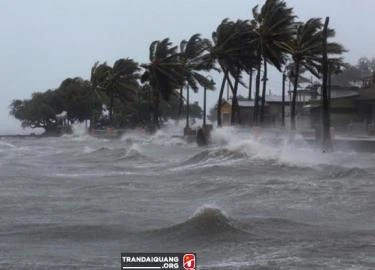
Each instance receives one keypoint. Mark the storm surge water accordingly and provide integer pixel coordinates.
(266, 202)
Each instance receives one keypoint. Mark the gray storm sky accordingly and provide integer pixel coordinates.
(42, 42)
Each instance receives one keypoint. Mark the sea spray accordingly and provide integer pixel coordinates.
(284, 148)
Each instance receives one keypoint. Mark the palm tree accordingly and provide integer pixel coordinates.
(233, 52)
(306, 51)
(222, 53)
(194, 56)
(290, 70)
(164, 73)
(244, 61)
(272, 26)
(117, 82)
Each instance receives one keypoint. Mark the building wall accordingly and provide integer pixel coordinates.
(226, 114)
(247, 115)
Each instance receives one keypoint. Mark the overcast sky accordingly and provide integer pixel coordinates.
(42, 42)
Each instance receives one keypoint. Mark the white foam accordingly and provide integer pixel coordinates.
(88, 150)
(285, 148)
(208, 208)
(8, 145)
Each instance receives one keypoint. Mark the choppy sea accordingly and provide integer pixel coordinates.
(77, 202)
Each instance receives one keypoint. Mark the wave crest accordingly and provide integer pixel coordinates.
(206, 221)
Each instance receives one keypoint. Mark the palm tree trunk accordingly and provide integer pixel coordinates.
(283, 102)
(327, 143)
(262, 109)
(181, 103)
(257, 90)
(293, 109)
(235, 109)
(237, 105)
(250, 82)
(156, 109)
(235, 100)
(220, 99)
(111, 109)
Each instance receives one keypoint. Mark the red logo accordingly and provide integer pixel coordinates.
(189, 261)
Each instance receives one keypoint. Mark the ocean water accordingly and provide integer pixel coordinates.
(271, 202)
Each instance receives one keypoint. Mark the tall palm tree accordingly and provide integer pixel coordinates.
(117, 82)
(233, 52)
(306, 51)
(244, 61)
(194, 56)
(164, 73)
(272, 25)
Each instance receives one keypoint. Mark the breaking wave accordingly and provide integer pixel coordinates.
(285, 149)
(133, 152)
(169, 135)
(207, 221)
(339, 173)
(221, 154)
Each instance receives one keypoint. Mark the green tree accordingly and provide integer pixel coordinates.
(272, 25)
(234, 53)
(164, 73)
(39, 111)
(195, 57)
(118, 82)
(79, 101)
(306, 50)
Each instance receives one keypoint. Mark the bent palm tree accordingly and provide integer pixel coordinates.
(272, 26)
(194, 56)
(306, 51)
(117, 82)
(164, 73)
(233, 51)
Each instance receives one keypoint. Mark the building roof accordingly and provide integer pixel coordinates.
(279, 99)
(339, 99)
(246, 103)
(269, 99)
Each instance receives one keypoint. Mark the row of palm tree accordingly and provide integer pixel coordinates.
(272, 37)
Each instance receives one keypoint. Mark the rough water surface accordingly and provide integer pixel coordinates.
(273, 202)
